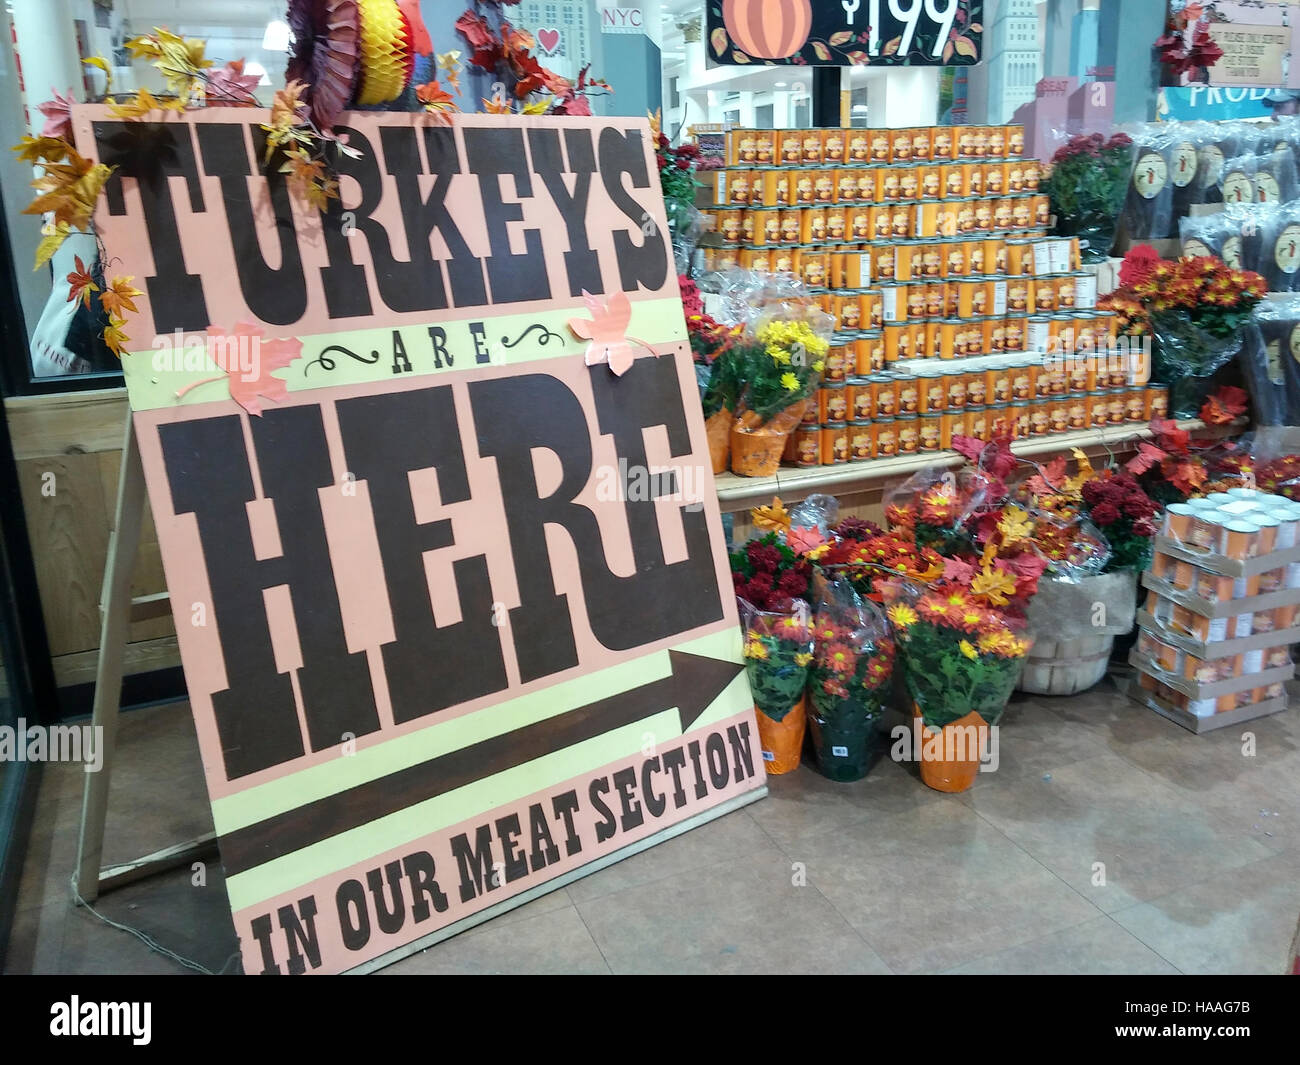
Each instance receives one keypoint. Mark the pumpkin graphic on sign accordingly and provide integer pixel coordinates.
(768, 29)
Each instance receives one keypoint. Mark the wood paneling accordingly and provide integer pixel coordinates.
(69, 452)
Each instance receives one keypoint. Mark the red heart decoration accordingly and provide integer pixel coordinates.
(549, 40)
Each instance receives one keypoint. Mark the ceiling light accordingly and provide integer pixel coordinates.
(782, 84)
(276, 38)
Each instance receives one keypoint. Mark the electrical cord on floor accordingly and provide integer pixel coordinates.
(148, 940)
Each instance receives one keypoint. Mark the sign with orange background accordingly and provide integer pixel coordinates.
(432, 490)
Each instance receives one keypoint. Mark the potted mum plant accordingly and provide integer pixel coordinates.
(772, 589)
(848, 682)
(1196, 310)
(714, 349)
(1086, 185)
(960, 661)
(781, 370)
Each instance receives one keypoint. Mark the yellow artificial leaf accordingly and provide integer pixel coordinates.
(42, 149)
(821, 51)
(143, 48)
(102, 64)
(966, 47)
(1015, 525)
(994, 585)
(738, 56)
(773, 518)
(51, 242)
(449, 64)
(891, 46)
(538, 107)
(114, 337)
(137, 106)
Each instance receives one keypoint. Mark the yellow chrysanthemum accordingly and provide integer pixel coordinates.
(969, 651)
(802, 659)
(755, 649)
(789, 382)
(902, 616)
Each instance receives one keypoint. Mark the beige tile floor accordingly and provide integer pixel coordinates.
(1200, 844)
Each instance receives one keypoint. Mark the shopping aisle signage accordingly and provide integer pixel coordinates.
(451, 593)
(847, 33)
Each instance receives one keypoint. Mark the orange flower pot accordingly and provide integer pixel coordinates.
(781, 741)
(718, 426)
(756, 446)
(952, 767)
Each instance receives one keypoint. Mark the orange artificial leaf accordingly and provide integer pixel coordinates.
(492, 107)
(1050, 478)
(80, 284)
(1169, 436)
(1187, 475)
(434, 98)
(821, 51)
(843, 37)
(718, 38)
(120, 296)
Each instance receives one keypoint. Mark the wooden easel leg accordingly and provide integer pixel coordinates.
(115, 611)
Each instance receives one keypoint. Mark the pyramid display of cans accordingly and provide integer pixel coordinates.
(1223, 594)
(928, 247)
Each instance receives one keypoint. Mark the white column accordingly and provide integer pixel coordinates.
(47, 50)
(903, 96)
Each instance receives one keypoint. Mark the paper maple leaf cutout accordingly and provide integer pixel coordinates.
(607, 331)
(252, 381)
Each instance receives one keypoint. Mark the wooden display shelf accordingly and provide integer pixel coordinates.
(793, 483)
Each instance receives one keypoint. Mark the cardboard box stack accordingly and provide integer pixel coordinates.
(928, 247)
(1222, 609)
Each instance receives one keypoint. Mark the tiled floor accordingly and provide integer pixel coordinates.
(1108, 841)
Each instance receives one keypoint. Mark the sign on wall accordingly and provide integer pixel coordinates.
(848, 33)
(451, 593)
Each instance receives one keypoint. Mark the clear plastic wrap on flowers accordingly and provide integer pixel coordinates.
(1231, 234)
(936, 504)
(778, 651)
(1073, 548)
(685, 224)
(818, 512)
(849, 681)
(1186, 358)
(960, 660)
(1086, 187)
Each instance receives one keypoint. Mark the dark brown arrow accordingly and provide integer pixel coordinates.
(691, 686)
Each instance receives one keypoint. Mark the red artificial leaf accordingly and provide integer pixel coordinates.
(80, 284)
(954, 569)
(1169, 436)
(968, 446)
(1148, 455)
(486, 47)
(1050, 479)
(1225, 405)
